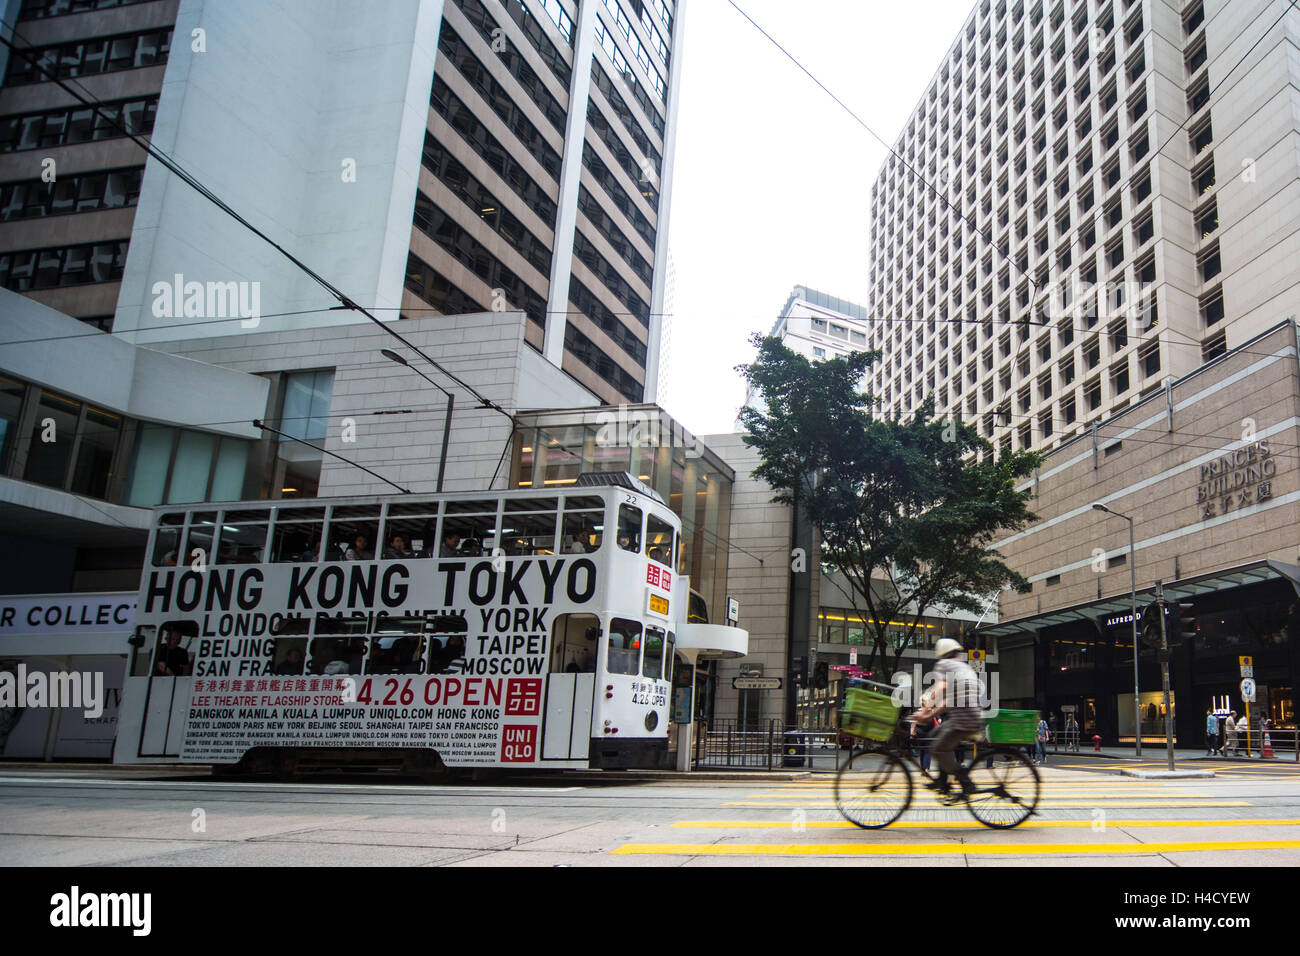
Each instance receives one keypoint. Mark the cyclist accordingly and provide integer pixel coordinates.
(957, 696)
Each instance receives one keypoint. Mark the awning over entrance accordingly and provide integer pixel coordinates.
(1121, 604)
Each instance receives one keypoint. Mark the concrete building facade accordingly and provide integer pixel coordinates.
(1071, 218)
(1206, 470)
(427, 158)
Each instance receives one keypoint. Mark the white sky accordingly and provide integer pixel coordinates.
(773, 178)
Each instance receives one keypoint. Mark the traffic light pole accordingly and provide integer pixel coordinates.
(1164, 674)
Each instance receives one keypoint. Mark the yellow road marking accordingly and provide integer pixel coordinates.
(1049, 804)
(940, 849)
(973, 824)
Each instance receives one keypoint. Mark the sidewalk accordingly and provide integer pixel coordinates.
(1154, 754)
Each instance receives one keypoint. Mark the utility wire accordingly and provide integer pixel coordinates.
(181, 173)
(258, 423)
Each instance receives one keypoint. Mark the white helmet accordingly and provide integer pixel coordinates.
(946, 646)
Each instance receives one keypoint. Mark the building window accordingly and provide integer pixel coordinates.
(1150, 360)
(70, 125)
(88, 57)
(87, 192)
(304, 414)
(180, 466)
(41, 9)
(72, 446)
(819, 353)
(1212, 307)
(34, 269)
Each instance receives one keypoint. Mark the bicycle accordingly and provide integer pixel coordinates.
(874, 786)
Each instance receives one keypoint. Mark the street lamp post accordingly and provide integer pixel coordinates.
(451, 405)
(1132, 577)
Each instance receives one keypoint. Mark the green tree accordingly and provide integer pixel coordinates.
(907, 508)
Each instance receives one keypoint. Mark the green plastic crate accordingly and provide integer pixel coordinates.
(868, 714)
(1012, 727)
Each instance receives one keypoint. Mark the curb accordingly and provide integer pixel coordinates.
(1166, 774)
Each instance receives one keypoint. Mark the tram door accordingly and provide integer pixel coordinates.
(167, 698)
(570, 687)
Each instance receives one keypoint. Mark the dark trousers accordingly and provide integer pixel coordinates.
(944, 746)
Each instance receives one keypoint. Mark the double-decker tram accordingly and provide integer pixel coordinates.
(517, 629)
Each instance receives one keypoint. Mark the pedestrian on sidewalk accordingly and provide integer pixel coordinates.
(1211, 733)
(1040, 738)
(1230, 734)
(1071, 734)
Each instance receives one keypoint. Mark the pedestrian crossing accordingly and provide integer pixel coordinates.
(1076, 817)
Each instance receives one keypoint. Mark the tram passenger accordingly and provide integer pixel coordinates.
(292, 663)
(173, 660)
(360, 550)
(450, 545)
(397, 548)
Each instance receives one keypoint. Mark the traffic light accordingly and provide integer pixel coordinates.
(822, 675)
(799, 671)
(1184, 625)
(1150, 625)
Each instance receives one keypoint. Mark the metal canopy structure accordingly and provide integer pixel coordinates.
(1253, 573)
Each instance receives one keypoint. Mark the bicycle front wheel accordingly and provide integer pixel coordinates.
(1006, 789)
(873, 789)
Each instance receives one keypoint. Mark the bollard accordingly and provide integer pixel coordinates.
(1096, 743)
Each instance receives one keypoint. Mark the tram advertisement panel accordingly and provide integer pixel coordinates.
(445, 655)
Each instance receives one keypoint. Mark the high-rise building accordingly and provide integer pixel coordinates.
(1092, 198)
(818, 326)
(69, 179)
(427, 158)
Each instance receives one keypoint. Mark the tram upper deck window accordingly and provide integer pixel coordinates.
(416, 524)
(659, 540)
(469, 529)
(199, 539)
(583, 525)
(354, 529)
(624, 646)
(653, 665)
(243, 537)
(297, 535)
(629, 528)
(167, 540)
(528, 526)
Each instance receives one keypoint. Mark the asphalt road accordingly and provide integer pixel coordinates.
(1089, 816)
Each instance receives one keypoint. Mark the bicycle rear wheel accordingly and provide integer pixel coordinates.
(1006, 793)
(873, 789)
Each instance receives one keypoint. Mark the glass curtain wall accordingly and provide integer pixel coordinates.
(551, 450)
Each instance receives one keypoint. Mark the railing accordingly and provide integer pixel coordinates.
(1281, 740)
(764, 745)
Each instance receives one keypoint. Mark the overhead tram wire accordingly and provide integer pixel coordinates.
(881, 140)
(258, 423)
(1292, 4)
(86, 99)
